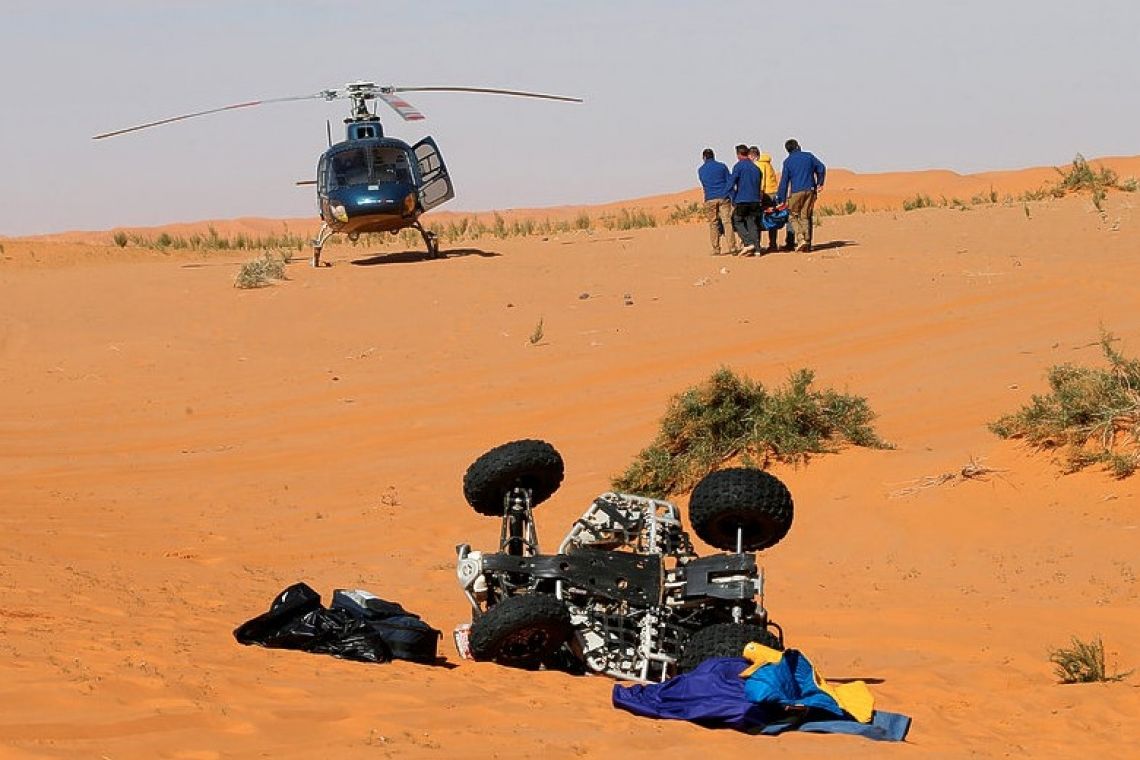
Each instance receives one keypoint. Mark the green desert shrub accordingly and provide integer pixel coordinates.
(684, 212)
(732, 416)
(1039, 194)
(1091, 415)
(120, 239)
(626, 219)
(1083, 662)
(1081, 176)
(984, 198)
(500, 227)
(918, 201)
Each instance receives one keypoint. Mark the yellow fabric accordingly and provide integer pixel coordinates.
(759, 655)
(854, 697)
(771, 182)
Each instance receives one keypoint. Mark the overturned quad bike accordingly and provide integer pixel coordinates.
(625, 594)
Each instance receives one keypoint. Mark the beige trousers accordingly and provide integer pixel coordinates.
(718, 212)
(800, 208)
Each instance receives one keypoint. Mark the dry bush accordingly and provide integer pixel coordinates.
(975, 469)
(1083, 663)
(538, 333)
(260, 272)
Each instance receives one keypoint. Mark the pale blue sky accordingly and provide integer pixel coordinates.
(877, 85)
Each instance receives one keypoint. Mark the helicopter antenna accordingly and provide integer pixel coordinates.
(328, 131)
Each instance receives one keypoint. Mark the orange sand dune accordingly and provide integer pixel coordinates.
(869, 192)
(173, 452)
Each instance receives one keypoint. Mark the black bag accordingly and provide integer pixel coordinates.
(408, 637)
(296, 620)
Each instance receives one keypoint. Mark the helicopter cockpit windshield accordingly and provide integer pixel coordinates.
(372, 165)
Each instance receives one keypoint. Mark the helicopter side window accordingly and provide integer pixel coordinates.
(403, 170)
(323, 175)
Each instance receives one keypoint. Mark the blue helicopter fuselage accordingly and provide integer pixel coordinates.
(373, 183)
(368, 185)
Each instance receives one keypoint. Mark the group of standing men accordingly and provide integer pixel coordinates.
(735, 201)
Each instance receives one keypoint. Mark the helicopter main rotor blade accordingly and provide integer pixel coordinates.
(325, 95)
(401, 106)
(490, 90)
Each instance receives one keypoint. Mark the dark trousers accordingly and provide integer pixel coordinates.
(746, 222)
(789, 239)
(789, 231)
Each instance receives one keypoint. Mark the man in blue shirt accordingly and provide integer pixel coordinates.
(800, 181)
(718, 208)
(744, 189)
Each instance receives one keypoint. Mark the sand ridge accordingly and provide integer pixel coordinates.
(882, 191)
(173, 452)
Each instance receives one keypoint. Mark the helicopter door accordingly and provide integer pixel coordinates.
(435, 184)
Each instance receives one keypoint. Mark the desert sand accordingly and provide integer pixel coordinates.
(174, 452)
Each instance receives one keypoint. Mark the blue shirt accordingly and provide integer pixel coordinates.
(714, 179)
(802, 171)
(744, 182)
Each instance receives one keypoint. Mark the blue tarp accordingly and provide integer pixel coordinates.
(773, 220)
(713, 694)
(790, 682)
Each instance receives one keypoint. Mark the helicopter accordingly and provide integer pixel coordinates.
(369, 182)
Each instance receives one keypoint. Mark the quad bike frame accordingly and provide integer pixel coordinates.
(625, 594)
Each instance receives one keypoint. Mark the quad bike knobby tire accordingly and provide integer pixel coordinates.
(519, 464)
(723, 640)
(741, 497)
(521, 631)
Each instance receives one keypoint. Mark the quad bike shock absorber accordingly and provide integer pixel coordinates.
(518, 536)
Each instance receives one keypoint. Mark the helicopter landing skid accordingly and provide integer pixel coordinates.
(430, 240)
(319, 242)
